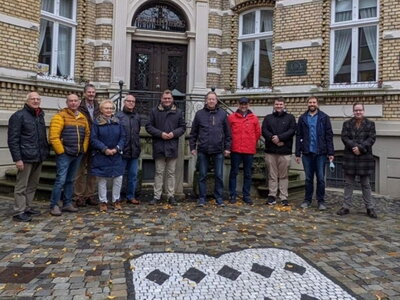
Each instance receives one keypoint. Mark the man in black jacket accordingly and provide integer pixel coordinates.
(28, 145)
(166, 125)
(130, 119)
(210, 138)
(278, 130)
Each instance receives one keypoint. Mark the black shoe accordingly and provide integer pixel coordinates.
(285, 203)
(248, 202)
(371, 213)
(232, 200)
(172, 201)
(271, 200)
(32, 212)
(153, 201)
(22, 218)
(343, 211)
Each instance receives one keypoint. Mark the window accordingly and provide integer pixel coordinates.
(354, 42)
(57, 38)
(255, 49)
(159, 16)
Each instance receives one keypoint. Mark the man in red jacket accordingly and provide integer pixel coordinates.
(246, 131)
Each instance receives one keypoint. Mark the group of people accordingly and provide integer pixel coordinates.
(93, 144)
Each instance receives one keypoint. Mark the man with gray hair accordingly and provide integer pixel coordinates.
(29, 147)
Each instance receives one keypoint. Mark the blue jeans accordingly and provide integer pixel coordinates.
(67, 166)
(236, 160)
(218, 173)
(132, 167)
(314, 164)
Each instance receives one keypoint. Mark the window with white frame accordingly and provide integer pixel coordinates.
(354, 41)
(57, 38)
(255, 49)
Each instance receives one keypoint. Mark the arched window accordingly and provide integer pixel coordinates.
(160, 16)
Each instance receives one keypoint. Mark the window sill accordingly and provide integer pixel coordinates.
(253, 90)
(358, 86)
(55, 79)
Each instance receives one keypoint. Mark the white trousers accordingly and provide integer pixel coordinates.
(116, 188)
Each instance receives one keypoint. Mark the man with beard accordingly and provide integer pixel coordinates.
(85, 184)
(358, 136)
(278, 130)
(166, 125)
(314, 144)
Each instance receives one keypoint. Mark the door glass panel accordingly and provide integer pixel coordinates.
(142, 71)
(175, 68)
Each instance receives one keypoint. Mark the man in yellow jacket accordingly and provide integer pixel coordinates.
(69, 136)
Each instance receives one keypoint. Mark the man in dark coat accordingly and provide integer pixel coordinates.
(278, 129)
(29, 147)
(166, 125)
(358, 136)
(210, 138)
(85, 184)
(314, 143)
(130, 119)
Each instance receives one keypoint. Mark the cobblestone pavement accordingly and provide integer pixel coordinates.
(93, 255)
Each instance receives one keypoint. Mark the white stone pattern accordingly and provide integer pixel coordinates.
(265, 273)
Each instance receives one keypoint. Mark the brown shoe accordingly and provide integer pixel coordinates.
(70, 208)
(80, 201)
(55, 211)
(92, 200)
(117, 206)
(134, 201)
(103, 207)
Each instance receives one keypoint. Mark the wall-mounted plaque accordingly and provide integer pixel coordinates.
(296, 67)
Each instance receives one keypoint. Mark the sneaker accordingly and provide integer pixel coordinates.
(133, 201)
(371, 213)
(55, 211)
(22, 217)
(153, 201)
(322, 206)
(232, 200)
(285, 203)
(117, 206)
(343, 211)
(220, 203)
(172, 201)
(200, 203)
(69, 208)
(248, 201)
(271, 200)
(305, 204)
(103, 207)
(32, 212)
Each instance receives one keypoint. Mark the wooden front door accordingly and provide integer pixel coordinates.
(156, 67)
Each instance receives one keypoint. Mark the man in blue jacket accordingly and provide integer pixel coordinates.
(166, 125)
(314, 144)
(210, 138)
(28, 145)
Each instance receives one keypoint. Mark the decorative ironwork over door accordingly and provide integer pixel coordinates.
(156, 67)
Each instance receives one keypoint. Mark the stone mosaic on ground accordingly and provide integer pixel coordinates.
(92, 255)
